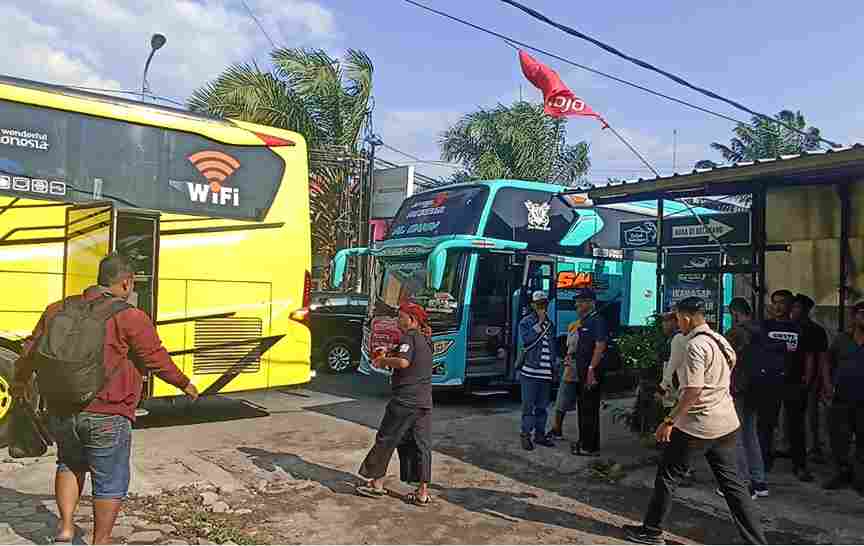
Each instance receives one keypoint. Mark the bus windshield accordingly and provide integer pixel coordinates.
(406, 280)
(432, 214)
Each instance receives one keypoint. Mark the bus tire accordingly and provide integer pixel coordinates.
(7, 367)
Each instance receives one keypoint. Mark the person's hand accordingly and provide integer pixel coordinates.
(663, 433)
(590, 379)
(191, 391)
(378, 363)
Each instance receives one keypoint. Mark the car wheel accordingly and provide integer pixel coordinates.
(338, 358)
(7, 359)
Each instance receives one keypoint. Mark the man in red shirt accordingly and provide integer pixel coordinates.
(98, 438)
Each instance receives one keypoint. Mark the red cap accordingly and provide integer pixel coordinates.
(415, 311)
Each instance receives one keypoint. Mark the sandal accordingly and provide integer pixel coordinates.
(370, 492)
(414, 498)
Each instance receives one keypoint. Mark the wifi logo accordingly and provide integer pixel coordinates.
(215, 166)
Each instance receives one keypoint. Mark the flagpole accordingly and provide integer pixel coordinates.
(629, 146)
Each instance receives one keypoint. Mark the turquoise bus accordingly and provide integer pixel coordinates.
(471, 254)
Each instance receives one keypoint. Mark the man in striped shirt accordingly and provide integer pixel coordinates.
(537, 334)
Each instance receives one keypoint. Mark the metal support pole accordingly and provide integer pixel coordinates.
(843, 288)
(760, 237)
(659, 303)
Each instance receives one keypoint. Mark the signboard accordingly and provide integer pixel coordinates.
(688, 282)
(635, 234)
(389, 188)
(687, 230)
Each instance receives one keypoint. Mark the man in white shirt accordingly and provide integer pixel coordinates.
(703, 421)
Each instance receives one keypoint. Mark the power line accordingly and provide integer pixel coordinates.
(257, 22)
(574, 63)
(426, 161)
(677, 79)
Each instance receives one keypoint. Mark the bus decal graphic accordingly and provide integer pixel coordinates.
(538, 216)
(216, 167)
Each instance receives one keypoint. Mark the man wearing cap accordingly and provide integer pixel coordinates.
(407, 422)
(704, 421)
(844, 387)
(593, 342)
(814, 341)
(537, 333)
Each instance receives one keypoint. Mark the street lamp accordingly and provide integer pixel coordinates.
(156, 42)
(373, 141)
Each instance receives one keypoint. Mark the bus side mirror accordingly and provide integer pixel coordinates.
(340, 262)
(436, 263)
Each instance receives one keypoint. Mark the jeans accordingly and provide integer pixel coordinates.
(95, 443)
(536, 395)
(589, 417)
(409, 430)
(794, 402)
(720, 454)
(749, 453)
(846, 419)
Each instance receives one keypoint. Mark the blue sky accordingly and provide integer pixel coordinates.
(429, 71)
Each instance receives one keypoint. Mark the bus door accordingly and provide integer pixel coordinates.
(490, 316)
(94, 230)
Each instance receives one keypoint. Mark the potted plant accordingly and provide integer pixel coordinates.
(643, 351)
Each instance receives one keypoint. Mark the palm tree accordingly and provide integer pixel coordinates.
(519, 142)
(765, 139)
(326, 100)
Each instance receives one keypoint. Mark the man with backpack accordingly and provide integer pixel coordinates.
(703, 422)
(90, 353)
(788, 387)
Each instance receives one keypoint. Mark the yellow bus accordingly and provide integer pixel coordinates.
(213, 213)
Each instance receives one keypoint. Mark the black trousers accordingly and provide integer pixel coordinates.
(844, 420)
(408, 430)
(589, 417)
(793, 399)
(721, 456)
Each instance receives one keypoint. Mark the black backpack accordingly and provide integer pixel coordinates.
(70, 365)
(767, 364)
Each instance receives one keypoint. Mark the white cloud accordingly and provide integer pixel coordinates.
(104, 43)
(415, 132)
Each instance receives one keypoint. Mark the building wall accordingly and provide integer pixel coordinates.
(808, 219)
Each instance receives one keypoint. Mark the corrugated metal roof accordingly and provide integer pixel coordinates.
(749, 163)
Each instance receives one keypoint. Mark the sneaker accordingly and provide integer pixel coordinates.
(544, 440)
(556, 434)
(753, 494)
(841, 480)
(640, 535)
(760, 490)
(527, 444)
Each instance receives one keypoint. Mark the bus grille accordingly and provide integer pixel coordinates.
(218, 331)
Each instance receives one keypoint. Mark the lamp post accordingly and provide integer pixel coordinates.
(373, 141)
(156, 43)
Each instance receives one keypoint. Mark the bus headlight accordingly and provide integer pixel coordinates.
(441, 347)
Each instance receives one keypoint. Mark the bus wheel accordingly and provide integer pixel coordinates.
(7, 360)
(338, 358)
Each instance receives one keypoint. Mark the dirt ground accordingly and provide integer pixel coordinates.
(279, 468)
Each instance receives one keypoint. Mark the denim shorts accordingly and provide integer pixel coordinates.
(98, 444)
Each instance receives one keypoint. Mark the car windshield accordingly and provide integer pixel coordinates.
(406, 280)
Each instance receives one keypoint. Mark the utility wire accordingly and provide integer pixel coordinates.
(257, 22)
(565, 60)
(677, 79)
(418, 160)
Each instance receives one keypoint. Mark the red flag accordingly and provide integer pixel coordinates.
(558, 100)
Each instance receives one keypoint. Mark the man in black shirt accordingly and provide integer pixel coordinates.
(407, 423)
(814, 339)
(593, 342)
(793, 391)
(844, 387)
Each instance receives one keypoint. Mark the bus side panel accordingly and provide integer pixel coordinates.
(251, 304)
(643, 287)
(172, 305)
(25, 298)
